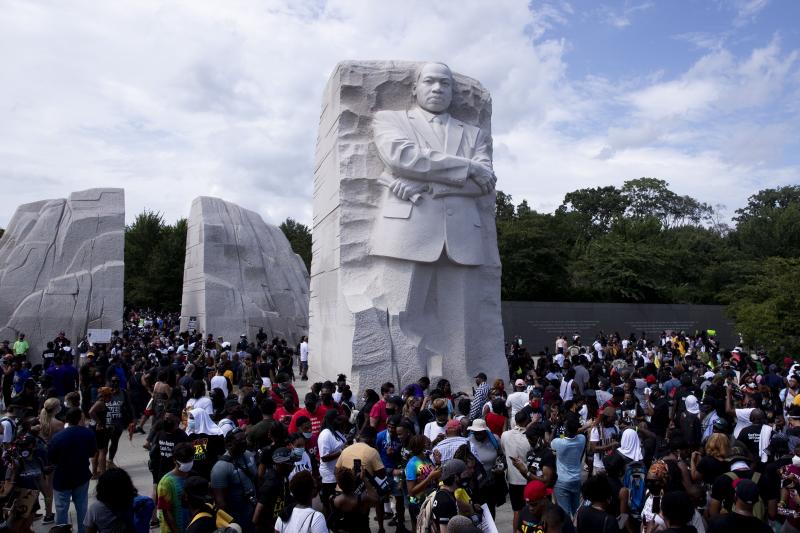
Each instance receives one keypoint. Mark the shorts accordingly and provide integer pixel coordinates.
(395, 486)
(101, 438)
(516, 495)
(327, 493)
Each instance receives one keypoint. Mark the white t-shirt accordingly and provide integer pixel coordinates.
(433, 430)
(203, 403)
(594, 436)
(328, 444)
(302, 464)
(303, 519)
(8, 431)
(742, 420)
(304, 351)
(565, 390)
(516, 401)
(219, 382)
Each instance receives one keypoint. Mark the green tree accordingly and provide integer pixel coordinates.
(154, 262)
(768, 225)
(594, 210)
(651, 197)
(299, 237)
(766, 309)
(504, 207)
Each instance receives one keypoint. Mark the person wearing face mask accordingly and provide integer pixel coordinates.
(435, 430)
(234, 478)
(297, 443)
(281, 387)
(207, 439)
(310, 410)
(164, 444)
(173, 516)
(656, 482)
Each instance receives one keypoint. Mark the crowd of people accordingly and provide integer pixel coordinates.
(619, 434)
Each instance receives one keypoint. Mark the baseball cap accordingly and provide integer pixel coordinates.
(519, 383)
(536, 490)
(691, 404)
(453, 424)
(453, 467)
(746, 490)
(283, 456)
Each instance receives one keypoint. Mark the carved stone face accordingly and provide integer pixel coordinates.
(434, 88)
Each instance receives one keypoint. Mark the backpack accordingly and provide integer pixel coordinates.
(759, 509)
(142, 513)
(222, 520)
(13, 426)
(634, 481)
(425, 523)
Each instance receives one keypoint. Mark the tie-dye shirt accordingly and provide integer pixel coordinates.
(418, 469)
(170, 490)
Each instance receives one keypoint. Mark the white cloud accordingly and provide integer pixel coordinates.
(622, 17)
(182, 99)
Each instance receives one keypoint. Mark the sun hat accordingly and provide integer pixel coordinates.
(479, 424)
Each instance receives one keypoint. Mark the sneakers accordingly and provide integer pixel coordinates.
(49, 519)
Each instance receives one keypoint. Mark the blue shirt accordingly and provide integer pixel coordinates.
(568, 458)
(384, 444)
(69, 450)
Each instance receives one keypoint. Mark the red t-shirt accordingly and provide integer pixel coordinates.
(315, 417)
(281, 413)
(379, 412)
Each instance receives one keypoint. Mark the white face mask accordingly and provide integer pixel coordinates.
(796, 460)
(185, 467)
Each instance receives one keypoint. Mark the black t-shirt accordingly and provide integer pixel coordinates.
(47, 358)
(274, 495)
(737, 523)
(750, 437)
(207, 449)
(527, 522)
(537, 459)
(591, 520)
(659, 421)
(722, 489)
(444, 506)
(161, 460)
(711, 468)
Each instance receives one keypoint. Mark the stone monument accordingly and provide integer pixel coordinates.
(62, 268)
(240, 275)
(405, 277)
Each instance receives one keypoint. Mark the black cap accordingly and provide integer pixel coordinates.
(747, 491)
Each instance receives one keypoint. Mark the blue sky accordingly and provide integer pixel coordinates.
(180, 99)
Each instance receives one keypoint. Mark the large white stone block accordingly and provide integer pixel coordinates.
(404, 285)
(62, 267)
(240, 275)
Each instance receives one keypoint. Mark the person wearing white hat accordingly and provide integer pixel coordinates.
(517, 399)
(484, 443)
(690, 421)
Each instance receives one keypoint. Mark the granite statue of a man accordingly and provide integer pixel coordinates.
(405, 276)
(439, 176)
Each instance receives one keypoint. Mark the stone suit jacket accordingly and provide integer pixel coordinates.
(447, 217)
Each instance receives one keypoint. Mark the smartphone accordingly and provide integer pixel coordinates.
(357, 467)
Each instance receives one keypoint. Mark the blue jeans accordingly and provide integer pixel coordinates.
(80, 496)
(568, 496)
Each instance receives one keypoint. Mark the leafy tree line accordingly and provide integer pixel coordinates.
(642, 242)
(154, 257)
